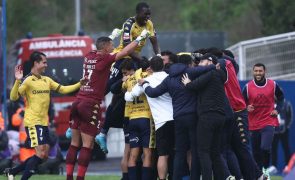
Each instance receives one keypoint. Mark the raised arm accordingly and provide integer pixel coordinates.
(18, 88)
(153, 38)
(154, 42)
(131, 47)
(66, 89)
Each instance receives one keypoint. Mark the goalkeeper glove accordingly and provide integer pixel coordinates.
(144, 34)
(115, 33)
(69, 133)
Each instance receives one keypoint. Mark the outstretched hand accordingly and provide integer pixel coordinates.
(18, 72)
(140, 81)
(185, 79)
(217, 66)
(115, 33)
(274, 113)
(144, 34)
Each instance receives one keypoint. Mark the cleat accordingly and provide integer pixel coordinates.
(69, 133)
(101, 140)
(266, 175)
(230, 178)
(7, 173)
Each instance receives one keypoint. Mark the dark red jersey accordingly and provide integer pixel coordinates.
(96, 68)
(263, 100)
(233, 89)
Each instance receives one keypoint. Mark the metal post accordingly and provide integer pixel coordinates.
(78, 16)
(4, 109)
(242, 71)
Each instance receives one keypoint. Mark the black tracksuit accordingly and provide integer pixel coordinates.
(211, 104)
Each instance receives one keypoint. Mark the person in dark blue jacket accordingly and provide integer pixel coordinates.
(212, 116)
(184, 112)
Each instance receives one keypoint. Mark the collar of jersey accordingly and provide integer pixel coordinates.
(37, 76)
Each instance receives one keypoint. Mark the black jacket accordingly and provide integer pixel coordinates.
(183, 101)
(211, 95)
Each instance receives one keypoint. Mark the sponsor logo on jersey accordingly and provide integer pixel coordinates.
(41, 91)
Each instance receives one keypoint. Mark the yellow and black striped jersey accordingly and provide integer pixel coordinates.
(131, 30)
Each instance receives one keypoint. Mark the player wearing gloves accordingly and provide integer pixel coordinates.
(131, 29)
(85, 119)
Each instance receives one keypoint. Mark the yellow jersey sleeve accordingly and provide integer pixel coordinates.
(150, 28)
(18, 89)
(63, 89)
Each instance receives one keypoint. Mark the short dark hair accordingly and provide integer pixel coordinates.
(140, 6)
(259, 65)
(36, 56)
(127, 64)
(144, 63)
(157, 64)
(173, 58)
(201, 51)
(101, 42)
(215, 51)
(228, 53)
(185, 59)
(166, 53)
(209, 57)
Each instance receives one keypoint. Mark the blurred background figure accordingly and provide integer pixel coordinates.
(55, 76)
(5, 156)
(282, 134)
(66, 79)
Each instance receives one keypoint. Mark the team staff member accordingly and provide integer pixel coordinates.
(211, 112)
(85, 112)
(261, 94)
(238, 129)
(132, 28)
(36, 89)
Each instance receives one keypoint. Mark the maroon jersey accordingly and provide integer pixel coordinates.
(96, 68)
(263, 100)
(232, 88)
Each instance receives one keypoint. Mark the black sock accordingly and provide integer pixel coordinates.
(31, 166)
(146, 173)
(265, 158)
(15, 170)
(125, 176)
(132, 173)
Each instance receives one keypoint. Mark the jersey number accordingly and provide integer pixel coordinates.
(89, 72)
(41, 131)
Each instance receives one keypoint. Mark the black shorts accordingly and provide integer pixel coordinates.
(37, 135)
(114, 116)
(126, 129)
(165, 138)
(141, 133)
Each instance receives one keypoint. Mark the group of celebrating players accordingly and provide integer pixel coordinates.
(188, 108)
